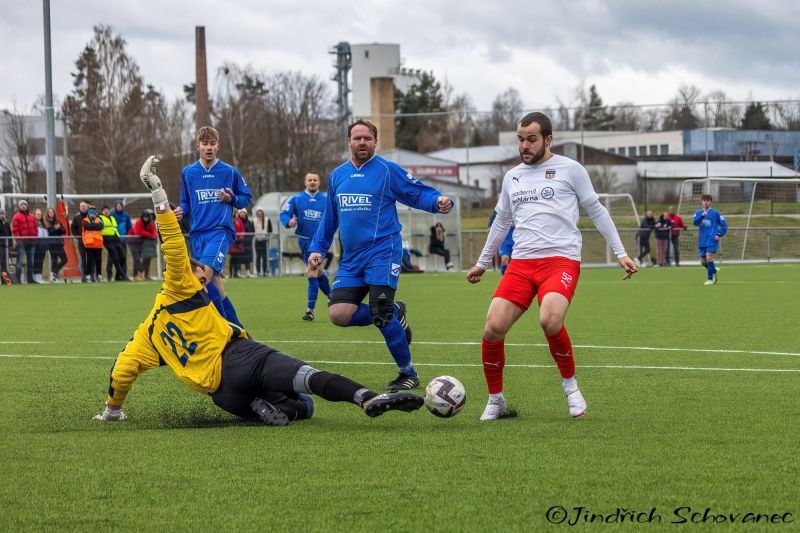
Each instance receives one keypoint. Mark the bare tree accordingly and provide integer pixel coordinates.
(682, 114)
(18, 162)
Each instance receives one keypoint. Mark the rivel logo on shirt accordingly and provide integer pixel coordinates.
(312, 214)
(354, 202)
(550, 173)
(357, 175)
(205, 196)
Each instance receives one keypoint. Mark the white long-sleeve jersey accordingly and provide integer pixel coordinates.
(542, 202)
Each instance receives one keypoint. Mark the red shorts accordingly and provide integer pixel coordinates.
(525, 278)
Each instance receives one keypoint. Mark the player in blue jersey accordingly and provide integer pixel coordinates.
(505, 250)
(304, 212)
(713, 227)
(361, 203)
(210, 190)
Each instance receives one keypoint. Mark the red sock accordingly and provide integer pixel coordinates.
(493, 355)
(561, 350)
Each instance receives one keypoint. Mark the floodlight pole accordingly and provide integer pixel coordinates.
(49, 117)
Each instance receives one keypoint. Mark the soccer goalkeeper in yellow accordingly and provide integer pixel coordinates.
(211, 355)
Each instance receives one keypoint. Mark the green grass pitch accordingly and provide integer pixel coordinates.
(692, 394)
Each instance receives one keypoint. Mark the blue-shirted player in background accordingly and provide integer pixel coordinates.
(210, 190)
(506, 247)
(304, 211)
(361, 204)
(713, 227)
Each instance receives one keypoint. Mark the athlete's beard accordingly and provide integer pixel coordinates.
(370, 153)
(537, 156)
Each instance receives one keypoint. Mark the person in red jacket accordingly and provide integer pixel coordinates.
(26, 233)
(143, 237)
(677, 227)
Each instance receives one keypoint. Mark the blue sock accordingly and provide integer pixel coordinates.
(213, 295)
(362, 316)
(230, 312)
(325, 285)
(711, 269)
(313, 288)
(396, 342)
(503, 269)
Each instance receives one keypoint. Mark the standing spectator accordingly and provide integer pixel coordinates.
(5, 244)
(643, 237)
(143, 237)
(677, 227)
(236, 250)
(247, 256)
(113, 245)
(436, 246)
(92, 238)
(124, 225)
(663, 232)
(713, 227)
(55, 233)
(41, 246)
(25, 231)
(76, 229)
(262, 228)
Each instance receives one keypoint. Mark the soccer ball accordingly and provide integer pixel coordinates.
(445, 396)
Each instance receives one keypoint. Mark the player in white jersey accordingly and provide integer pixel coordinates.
(540, 197)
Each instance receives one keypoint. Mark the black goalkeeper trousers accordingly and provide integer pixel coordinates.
(251, 370)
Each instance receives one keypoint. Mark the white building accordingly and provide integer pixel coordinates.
(624, 143)
(376, 61)
(33, 129)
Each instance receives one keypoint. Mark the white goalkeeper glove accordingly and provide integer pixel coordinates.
(153, 183)
(111, 414)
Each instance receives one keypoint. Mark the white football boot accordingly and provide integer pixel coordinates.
(495, 409)
(575, 402)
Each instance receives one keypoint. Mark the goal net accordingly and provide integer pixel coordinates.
(763, 216)
(623, 211)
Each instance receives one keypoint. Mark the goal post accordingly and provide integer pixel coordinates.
(758, 210)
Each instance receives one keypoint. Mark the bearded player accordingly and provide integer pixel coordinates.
(540, 197)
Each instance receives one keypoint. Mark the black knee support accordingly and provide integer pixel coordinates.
(381, 304)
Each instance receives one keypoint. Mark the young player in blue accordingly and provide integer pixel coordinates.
(713, 227)
(210, 190)
(304, 211)
(361, 204)
(505, 250)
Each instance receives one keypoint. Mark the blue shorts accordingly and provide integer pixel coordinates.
(304, 244)
(211, 248)
(378, 264)
(708, 250)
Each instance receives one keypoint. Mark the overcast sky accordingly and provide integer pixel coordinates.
(633, 50)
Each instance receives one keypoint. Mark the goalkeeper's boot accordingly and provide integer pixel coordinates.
(268, 413)
(400, 401)
(403, 381)
(402, 317)
(496, 408)
(575, 402)
(309, 315)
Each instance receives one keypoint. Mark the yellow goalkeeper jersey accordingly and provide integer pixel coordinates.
(184, 330)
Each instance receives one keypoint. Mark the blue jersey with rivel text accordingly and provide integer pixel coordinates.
(199, 201)
(361, 203)
(308, 209)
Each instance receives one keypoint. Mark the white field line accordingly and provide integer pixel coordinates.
(461, 365)
(474, 343)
